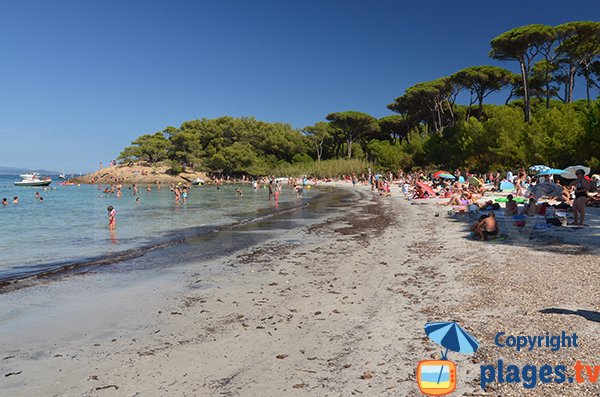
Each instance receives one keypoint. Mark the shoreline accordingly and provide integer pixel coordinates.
(48, 272)
(332, 308)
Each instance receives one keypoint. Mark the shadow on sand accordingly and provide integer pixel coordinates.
(587, 314)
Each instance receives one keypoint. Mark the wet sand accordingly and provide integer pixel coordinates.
(333, 309)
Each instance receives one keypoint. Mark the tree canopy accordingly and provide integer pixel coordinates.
(539, 123)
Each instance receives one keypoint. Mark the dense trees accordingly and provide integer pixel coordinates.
(540, 122)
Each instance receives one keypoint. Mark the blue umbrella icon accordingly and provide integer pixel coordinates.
(451, 336)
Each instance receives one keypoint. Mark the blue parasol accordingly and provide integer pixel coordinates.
(451, 336)
(539, 168)
(447, 176)
(552, 171)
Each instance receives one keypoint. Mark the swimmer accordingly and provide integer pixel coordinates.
(16, 200)
(238, 192)
(4, 201)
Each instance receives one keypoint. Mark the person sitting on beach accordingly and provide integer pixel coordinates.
(419, 193)
(511, 206)
(486, 227)
(531, 208)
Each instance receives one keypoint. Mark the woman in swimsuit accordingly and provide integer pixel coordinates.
(581, 197)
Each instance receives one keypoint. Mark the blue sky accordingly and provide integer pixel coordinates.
(80, 79)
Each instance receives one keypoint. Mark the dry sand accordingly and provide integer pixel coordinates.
(336, 309)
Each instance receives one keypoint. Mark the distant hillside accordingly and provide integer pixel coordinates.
(18, 171)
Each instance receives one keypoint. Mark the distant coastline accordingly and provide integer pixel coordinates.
(19, 170)
(138, 173)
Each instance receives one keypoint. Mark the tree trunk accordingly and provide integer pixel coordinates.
(547, 86)
(480, 100)
(319, 150)
(525, 92)
(587, 85)
(349, 143)
(571, 82)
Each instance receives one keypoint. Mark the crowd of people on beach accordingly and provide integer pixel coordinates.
(467, 192)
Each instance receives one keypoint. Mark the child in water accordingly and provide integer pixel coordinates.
(112, 222)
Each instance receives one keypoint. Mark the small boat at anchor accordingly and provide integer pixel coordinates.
(33, 179)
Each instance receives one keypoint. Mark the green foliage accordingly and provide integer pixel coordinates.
(354, 126)
(430, 129)
(334, 168)
(150, 147)
(590, 142)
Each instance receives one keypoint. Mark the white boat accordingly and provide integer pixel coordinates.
(198, 182)
(33, 179)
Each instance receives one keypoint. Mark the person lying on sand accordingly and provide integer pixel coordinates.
(463, 200)
(594, 201)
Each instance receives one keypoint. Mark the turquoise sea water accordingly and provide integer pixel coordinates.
(71, 224)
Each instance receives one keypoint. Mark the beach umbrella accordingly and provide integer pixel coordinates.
(547, 189)
(427, 188)
(452, 337)
(552, 171)
(539, 168)
(461, 179)
(569, 172)
(446, 176)
(474, 181)
(437, 174)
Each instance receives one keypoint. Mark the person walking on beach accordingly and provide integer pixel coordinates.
(582, 186)
(112, 221)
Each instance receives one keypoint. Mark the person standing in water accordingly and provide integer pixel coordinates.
(112, 221)
(270, 189)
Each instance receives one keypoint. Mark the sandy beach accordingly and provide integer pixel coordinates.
(333, 309)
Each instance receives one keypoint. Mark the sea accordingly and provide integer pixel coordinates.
(69, 227)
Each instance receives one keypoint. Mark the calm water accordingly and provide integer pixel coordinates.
(70, 225)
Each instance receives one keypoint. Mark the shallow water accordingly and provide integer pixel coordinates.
(71, 225)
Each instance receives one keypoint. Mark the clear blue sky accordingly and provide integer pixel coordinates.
(80, 79)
